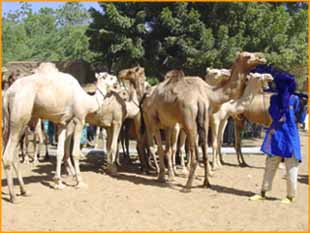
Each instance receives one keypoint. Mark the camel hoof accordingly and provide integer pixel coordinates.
(25, 194)
(205, 185)
(112, 169)
(244, 165)
(59, 186)
(185, 190)
(81, 185)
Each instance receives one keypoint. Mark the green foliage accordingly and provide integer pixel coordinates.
(49, 34)
(193, 36)
(161, 36)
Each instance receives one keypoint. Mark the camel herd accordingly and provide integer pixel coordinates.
(183, 107)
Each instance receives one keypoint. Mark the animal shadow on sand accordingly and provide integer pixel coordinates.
(129, 171)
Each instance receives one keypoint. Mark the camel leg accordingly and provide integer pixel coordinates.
(24, 147)
(161, 174)
(174, 143)
(239, 124)
(76, 153)
(97, 137)
(223, 125)
(215, 143)
(141, 152)
(182, 139)
(36, 150)
(194, 161)
(23, 191)
(169, 153)
(114, 133)
(204, 147)
(67, 150)
(187, 153)
(60, 154)
(8, 162)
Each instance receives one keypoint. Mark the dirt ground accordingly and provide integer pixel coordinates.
(133, 201)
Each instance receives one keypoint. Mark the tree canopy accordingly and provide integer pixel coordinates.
(160, 36)
(193, 36)
(48, 35)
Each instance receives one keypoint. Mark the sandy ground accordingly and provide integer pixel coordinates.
(133, 201)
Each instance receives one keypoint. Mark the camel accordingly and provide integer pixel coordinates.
(115, 109)
(214, 77)
(234, 108)
(134, 82)
(57, 97)
(38, 134)
(170, 104)
(257, 112)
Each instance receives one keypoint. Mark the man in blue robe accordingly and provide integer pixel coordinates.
(282, 141)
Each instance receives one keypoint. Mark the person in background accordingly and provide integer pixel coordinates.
(282, 140)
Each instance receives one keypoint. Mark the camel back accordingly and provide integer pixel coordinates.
(79, 69)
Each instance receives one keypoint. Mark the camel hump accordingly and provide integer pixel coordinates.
(46, 68)
(175, 75)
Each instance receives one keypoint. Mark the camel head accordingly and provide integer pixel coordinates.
(250, 60)
(215, 77)
(257, 81)
(101, 86)
(136, 76)
(174, 75)
(108, 78)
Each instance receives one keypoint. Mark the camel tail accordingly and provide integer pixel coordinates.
(142, 125)
(201, 119)
(5, 122)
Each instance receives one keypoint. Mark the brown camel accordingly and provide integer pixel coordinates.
(189, 101)
(215, 78)
(234, 108)
(257, 112)
(134, 82)
(47, 94)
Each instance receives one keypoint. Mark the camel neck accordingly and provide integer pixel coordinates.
(232, 89)
(240, 105)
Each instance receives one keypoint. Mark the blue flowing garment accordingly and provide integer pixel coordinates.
(282, 138)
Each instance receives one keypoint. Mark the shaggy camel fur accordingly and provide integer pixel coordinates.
(171, 104)
(52, 95)
(233, 108)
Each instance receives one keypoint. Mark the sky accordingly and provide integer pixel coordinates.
(12, 6)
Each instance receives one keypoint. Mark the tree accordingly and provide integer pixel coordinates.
(193, 36)
(47, 35)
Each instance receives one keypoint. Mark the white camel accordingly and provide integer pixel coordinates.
(52, 95)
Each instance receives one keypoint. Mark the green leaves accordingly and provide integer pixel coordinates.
(48, 35)
(161, 36)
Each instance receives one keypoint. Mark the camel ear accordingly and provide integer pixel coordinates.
(137, 69)
(96, 75)
(207, 70)
(238, 53)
